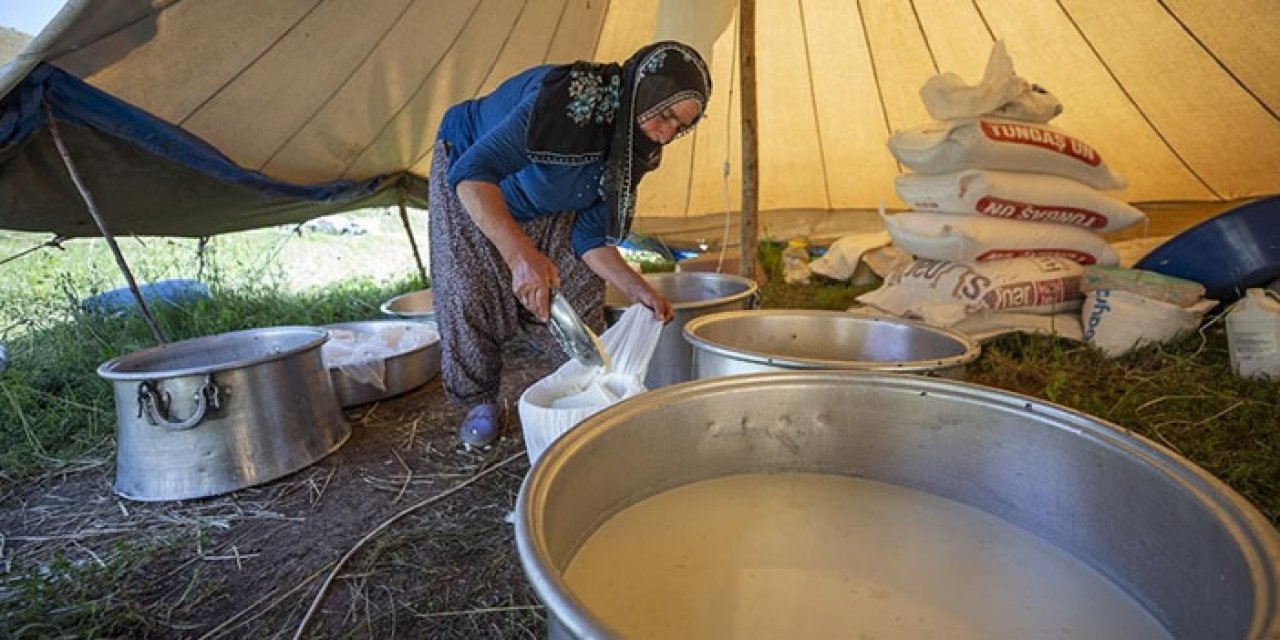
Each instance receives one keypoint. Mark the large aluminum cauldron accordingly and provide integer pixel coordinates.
(1192, 553)
(781, 340)
(692, 295)
(210, 415)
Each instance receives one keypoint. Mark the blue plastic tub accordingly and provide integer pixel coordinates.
(1228, 253)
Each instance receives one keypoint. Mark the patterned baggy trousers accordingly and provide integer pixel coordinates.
(476, 310)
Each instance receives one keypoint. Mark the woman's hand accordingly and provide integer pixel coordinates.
(607, 263)
(532, 274)
(660, 306)
(532, 278)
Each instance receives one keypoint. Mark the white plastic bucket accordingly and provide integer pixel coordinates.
(1253, 333)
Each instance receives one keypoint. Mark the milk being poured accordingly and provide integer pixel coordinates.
(822, 556)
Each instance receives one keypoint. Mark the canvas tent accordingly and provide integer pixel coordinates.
(197, 117)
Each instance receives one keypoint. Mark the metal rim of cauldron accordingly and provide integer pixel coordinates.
(111, 369)
(749, 288)
(387, 310)
(971, 347)
(1257, 539)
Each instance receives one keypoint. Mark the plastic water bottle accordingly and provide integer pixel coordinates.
(795, 261)
(4, 358)
(1253, 335)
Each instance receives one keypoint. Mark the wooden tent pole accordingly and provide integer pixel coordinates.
(417, 257)
(102, 226)
(750, 142)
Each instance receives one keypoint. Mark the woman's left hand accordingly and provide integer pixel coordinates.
(607, 263)
(659, 305)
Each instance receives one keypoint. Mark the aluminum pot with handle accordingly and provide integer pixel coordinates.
(219, 413)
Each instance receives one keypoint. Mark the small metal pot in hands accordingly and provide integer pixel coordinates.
(219, 413)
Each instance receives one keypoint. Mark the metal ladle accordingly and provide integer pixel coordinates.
(577, 340)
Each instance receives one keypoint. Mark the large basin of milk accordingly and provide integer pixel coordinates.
(826, 556)
(853, 504)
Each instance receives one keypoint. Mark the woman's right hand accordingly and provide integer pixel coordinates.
(533, 276)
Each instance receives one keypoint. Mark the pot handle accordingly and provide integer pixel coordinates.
(154, 402)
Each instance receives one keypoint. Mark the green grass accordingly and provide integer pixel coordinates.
(116, 597)
(821, 293)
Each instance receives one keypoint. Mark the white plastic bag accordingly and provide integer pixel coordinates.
(362, 355)
(1117, 321)
(555, 404)
(1032, 197)
(970, 239)
(1001, 93)
(842, 258)
(1006, 145)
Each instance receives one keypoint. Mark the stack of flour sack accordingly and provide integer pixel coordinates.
(1006, 210)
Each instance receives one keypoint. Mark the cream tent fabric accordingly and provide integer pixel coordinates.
(1180, 96)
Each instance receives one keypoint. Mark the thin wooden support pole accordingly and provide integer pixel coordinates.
(102, 226)
(202, 246)
(417, 257)
(750, 139)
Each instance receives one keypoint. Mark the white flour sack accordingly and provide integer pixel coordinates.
(993, 143)
(1117, 321)
(1033, 197)
(942, 292)
(943, 236)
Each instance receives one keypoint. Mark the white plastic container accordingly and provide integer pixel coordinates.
(795, 261)
(1253, 332)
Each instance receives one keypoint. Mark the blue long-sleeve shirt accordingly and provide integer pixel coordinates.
(486, 139)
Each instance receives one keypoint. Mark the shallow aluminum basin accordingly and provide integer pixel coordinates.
(782, 340)
(415, 305)
(1184, 546)
(403, 370)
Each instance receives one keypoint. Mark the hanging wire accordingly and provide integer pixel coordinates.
(54, 242)
(728, 140)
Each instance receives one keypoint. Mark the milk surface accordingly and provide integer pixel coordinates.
(819, 556)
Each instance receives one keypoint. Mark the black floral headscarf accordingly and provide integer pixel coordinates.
(579, 109)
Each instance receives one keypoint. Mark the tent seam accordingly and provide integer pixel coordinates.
(546, 53)
(391, 25)
(924, 36)
(875, 72)
(475, 8)
(217, 92)
(991, 33)
(595, 48)
(1134, 102)
(813, 103)
(1218, 60)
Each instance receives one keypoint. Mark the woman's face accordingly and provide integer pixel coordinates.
(666, 124)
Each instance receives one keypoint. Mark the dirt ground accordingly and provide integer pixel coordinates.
(251, 564)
